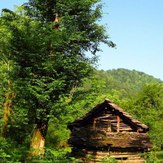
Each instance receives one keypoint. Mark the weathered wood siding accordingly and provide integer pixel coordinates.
(108, 121)
(87, 137)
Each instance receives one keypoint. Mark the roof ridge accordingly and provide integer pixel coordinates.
(120, 111)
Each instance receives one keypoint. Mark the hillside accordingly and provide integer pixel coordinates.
(117, 82)
(123, 79)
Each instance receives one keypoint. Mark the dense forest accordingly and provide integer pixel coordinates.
(138, 93)
(47, 80)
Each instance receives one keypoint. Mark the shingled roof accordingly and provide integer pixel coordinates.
(116, 109)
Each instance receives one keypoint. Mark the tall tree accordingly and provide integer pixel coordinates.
(50, 63)
(6, 66)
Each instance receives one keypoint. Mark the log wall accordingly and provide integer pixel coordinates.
(96, 156)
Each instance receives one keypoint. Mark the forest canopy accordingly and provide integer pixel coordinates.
(43, 59)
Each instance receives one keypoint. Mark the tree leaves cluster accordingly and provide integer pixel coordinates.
(44, 65)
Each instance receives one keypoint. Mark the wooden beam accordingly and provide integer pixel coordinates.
(118, 123)
(94, 123)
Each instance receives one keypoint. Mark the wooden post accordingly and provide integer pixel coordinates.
(118, 123)
(94, 123)
(109, 127)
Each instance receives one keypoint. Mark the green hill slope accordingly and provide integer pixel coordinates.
(127, 81)
(112, 83)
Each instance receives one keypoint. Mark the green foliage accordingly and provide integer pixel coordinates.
(154, 156)
(44, 65)
(10, 151)
(57, 133)
(109, 160)
(4, 150)
(147, 107)
(93, 90)
(111, 84)
(56, 155)
(48, 63)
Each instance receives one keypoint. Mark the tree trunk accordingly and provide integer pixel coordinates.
(37, 143)
(38, 140)
(7, 108)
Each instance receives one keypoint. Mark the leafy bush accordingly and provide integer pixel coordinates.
(109, 160)
(55, 155)
(154, 156)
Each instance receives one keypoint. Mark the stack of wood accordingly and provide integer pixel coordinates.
(107, 129)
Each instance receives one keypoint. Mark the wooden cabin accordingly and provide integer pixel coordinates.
(108, 131)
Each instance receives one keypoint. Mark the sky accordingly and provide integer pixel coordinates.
(136, 27)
